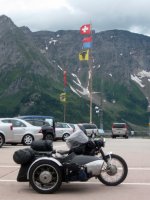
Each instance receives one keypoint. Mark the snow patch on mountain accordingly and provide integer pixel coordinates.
(144, 74)
(137, 80)
(82, 90)
(139, 76)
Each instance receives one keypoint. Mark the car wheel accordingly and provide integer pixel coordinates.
(65, 135)
(27, 139)
(2, 140)
(48, 137)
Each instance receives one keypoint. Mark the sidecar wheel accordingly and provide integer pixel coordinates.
(45, 177)
(114, 172)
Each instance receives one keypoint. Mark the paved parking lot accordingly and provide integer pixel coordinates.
(136, 186)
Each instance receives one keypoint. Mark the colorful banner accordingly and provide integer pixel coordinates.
(84, 55)
(87, 39)
(63, 97)
(65, 79)
(87, 45)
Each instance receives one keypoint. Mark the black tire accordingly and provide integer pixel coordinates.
(27, 139)
(45, 177)
(48, 136)
(112, 176)
(2, 140)
(65, 135)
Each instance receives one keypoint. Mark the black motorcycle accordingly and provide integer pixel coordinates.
(45, 169)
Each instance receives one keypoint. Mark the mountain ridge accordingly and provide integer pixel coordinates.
(32, 65)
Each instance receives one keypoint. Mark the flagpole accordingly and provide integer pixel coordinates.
(87, 55)
(90, 88)
(90, 81)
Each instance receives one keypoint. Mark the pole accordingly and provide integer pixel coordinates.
(91, 86)
(65, 86)
(90, 90)
(101, 111)
(64, 111)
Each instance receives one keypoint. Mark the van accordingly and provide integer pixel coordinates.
(119, 130)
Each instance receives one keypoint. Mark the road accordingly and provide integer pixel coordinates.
(136, 186)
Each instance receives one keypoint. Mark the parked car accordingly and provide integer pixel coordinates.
(120, 130)
(63, 130)
(91, 129)
(4, 128)
(47, 124)
(21, 131)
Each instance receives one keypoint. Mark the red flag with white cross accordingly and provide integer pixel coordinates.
(85, 29)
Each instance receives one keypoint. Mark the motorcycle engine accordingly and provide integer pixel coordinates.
(94, 167)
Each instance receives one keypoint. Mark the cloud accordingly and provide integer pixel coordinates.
(56, 15)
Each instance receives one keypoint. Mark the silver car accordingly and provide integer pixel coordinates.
(63, 130)
(21, 132)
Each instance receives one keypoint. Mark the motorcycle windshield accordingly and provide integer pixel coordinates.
(76, 139)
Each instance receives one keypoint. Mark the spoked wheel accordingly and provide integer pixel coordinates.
(2, 140)
(114, 171)
(65, 136)
(27, 139)
(45, 177)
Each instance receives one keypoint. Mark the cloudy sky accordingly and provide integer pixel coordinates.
(53, 15)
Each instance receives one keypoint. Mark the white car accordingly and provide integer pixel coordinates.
(120, 130)
(91, 129)
(63, 130)
(20, 132)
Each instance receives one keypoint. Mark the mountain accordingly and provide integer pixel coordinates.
(32, 65)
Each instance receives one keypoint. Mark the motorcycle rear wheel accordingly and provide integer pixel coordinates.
(45, 177)
(114, 171)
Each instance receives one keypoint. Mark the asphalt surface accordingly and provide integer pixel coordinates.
(136, 152)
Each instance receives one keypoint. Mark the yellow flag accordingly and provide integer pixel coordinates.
(84, 55)
(63, 97)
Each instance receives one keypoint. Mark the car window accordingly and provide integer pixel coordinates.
(17, 123)
(119, 125)
(6, 121)
(38, 123)
(59, 125)
(62, 125)
(49, 122)
(90, 126)
(65, 126)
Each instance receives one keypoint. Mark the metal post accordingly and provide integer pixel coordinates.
(91, 99)
(101, 111)
(64, 111)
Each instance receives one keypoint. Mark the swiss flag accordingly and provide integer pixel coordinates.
(85, 29)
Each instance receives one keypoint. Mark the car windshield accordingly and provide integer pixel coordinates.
(50, 121)
(119, 125)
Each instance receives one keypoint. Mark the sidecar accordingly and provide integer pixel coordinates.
(45, 171)
(38, 167)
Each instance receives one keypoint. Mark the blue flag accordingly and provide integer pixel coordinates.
(87, 45)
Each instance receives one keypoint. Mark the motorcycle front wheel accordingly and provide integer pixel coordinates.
(45, 177)
(114, 171)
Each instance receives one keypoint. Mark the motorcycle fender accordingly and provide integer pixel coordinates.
(108, 154)
(43, 158)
